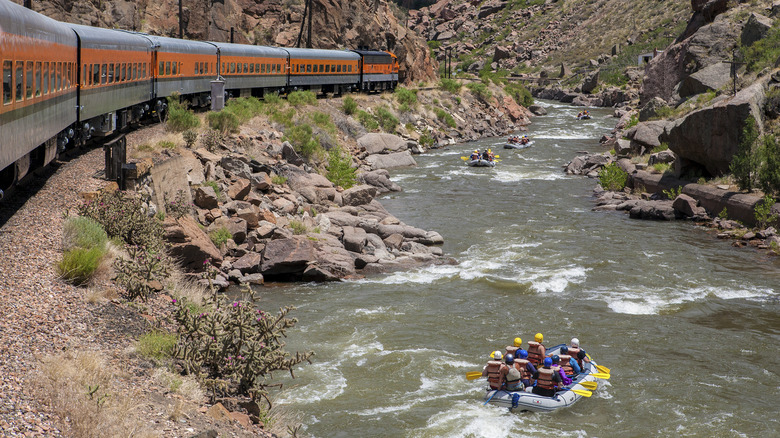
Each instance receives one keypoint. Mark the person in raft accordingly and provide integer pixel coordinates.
(547, 380)
(475, 155)
(527, 369)
(493, 370)
(577, 353)
(568, 363)
(536, 350)
(511, 375)
(556, 365)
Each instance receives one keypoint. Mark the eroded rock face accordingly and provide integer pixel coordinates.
(190, 245)
(710, 136)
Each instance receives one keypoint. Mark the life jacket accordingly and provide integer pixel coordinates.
(494, 373)
(575, 352)
(513, 375)
(564, 363)
(545, 379)
(535, 355)
(512, 351)
(522, 365)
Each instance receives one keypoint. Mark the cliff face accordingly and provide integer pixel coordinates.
(335, 24)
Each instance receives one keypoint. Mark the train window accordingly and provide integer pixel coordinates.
(29, 83)
(167, 68)
(7, 82)
(45, 74)
(257, 68)
(85, 76)
(38, 81)
(162, 69)
(232, 67)
(308, 68)
(95, 74)
(239, 69)
(111, 75)
(173, 68)
(135, 71)
(19, 81)
(246, 68)
(338, 68)
(124, 73)
(143, 73)
(103, 74)
(58, 72)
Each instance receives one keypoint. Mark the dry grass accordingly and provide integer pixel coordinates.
(282, 420)
(186, 386)
(81, 388)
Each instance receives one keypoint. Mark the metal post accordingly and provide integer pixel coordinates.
(308, 37)
(181, 21)
(232, 32)
(28, 4)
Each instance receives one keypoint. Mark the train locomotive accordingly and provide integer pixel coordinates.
(66, 83)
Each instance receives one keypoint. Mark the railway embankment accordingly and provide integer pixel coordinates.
(73, 361)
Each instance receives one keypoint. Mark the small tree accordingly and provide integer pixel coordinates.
(340, 170)
(769, 170)
(763, 212)
(612, 177)
(743, 165)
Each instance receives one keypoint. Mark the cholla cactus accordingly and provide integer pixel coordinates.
(232, 346)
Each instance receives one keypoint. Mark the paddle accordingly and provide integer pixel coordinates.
(581, 392)
(465, 158)
(589, 385)
(471, 375)
(604, 376)
(602, 369)
(491, 397)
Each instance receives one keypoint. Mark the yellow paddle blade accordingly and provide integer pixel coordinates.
(604, 376)
(471, 375)
(602, 369)
(496, 156)
(589, 385)
(582, 392)
(465, 158)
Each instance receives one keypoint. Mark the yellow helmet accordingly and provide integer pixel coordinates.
(496, 355)
(538, 337)
(518, 342)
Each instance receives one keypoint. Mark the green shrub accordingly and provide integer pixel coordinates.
(612, 177)
(166, 144)
(245, 108)
(156, 345)
(179, 118)
(284, 118)
(724, 214)
(745, 162)
(340, 170)
(660, 148)
(137, 273)
(178, 206)
(672, 193)
(450, 85)
(211, 140)
(633, 121)
(300, 98)
(763, 212)
(220, 236)
(769, 168)
(349, 106)
(300, 137)
(79, 264)
(480, 90)
(123, 215)
(233, 347)
(144, 147)
(279, 180)
(214, 185)
(272, 99)
(223, 121)
(367, 120)
(445, 117)
(298, 227)
(190, 137)
(83, 232)
(323, 121)
(386, 119)
(661, 167)
(520, 94)
(426, 140)
(406, 97)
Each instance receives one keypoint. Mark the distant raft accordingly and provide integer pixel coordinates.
(527, 401)
(584, 117)
(516, 145)
(481, 163)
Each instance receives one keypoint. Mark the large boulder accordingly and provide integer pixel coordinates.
(391, 161)
(650, 109)
(377, 143)
(710, 136)
(590, 83)
(287, 256)
(381, 180)
(189, 244)
(206, 197)
(755, 29)
(359, 195)
(646, 135)
(709, 78)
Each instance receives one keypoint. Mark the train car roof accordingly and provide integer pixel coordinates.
(177, 45)
(18, 20)
(112, 39)
(231, 49)
(338, 55)
(372, 52)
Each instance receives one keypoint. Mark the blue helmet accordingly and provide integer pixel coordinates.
(556, 358)
(509, 358)
(523, 354)
(564, 350)
(547, 362)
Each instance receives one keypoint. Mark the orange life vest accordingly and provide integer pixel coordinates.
(512, 351)
(545, 379)
(535, 355)
(522, 365)
(494, 373)
(564, 363)
(574, 352)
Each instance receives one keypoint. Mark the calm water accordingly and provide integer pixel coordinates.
(688, 325)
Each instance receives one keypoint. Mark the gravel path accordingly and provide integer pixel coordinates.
(41, 315)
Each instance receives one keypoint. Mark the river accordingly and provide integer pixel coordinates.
(688, 324)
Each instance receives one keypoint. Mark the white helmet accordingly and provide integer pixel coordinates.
(497, 355)
(575, 342)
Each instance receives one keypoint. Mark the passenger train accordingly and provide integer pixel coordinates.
(65, 83)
